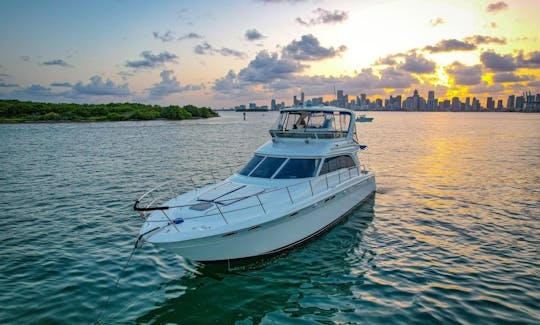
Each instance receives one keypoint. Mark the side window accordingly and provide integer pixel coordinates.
(335, 163)
(346, 162)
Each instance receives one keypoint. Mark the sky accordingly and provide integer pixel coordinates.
(225, 53)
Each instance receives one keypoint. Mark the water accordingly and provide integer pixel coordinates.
(452, 235)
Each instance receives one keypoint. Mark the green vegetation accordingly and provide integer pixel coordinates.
(14, 111)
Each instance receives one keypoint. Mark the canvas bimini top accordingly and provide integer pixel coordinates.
(319, 122)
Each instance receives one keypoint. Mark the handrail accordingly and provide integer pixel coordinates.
(258, 195)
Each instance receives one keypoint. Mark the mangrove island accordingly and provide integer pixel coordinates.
(15, 111)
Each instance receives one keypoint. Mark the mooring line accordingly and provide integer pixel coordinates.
(105, 305)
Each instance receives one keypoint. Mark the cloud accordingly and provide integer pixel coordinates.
(32, 92)
(465, 75)
(253, 35)
(496, 62)
(497, 6)
(151, 61)
(169, 85)
(61, 84)
(417, 64)
(450, 45)
(387, 60)
(266, 67)
(229, 83)
(535, 83)
(233, 86)
(98, 87)
(481, 39)
(204, 48)
(509, 77)
(324, 17)
(437, 21)
(531, 60)
(225, 51)
(168, 36)
(392, 78)
(5, 85)
(57, 62)
(309, 49)
(207, 49)
(191, 35)
(484, 87)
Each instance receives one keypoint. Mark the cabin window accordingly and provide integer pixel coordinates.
(319, 120)
(251, 165)
(293, 120)
(298, 168)
(267, 167)
(335, 163)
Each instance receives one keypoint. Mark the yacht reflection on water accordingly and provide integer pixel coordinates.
(298, 185)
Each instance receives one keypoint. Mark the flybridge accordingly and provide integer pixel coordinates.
(314, 122)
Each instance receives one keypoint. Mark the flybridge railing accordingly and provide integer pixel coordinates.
(281, 198)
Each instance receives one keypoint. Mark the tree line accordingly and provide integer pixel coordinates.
(14, 111)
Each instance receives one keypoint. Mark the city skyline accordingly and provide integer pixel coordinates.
(526, 102)
(223, 54)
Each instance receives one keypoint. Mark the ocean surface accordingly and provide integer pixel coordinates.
(451, 236)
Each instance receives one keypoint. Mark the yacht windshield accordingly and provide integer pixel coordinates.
(251, 165)
(267, 167)
(298, 168)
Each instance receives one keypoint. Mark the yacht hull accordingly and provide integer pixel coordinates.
(279, 234)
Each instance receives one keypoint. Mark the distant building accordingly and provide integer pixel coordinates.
(475, 106)
(500, 106)
(317, 101)
(456, 104)
(510, 103)
(431, 102)
(273, 105)
(520, 101)
(490, 104)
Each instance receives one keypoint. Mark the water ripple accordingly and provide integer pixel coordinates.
(452, 235)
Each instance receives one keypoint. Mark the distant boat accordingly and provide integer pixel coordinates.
(363, 118)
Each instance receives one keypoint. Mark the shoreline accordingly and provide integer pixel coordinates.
(99, 121)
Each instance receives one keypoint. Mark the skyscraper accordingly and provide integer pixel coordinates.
(510, 103)
(431, 105)
(500, 106)
(340, 99)
(490, 104)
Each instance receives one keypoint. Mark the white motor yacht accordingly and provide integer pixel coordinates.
(297, 185)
